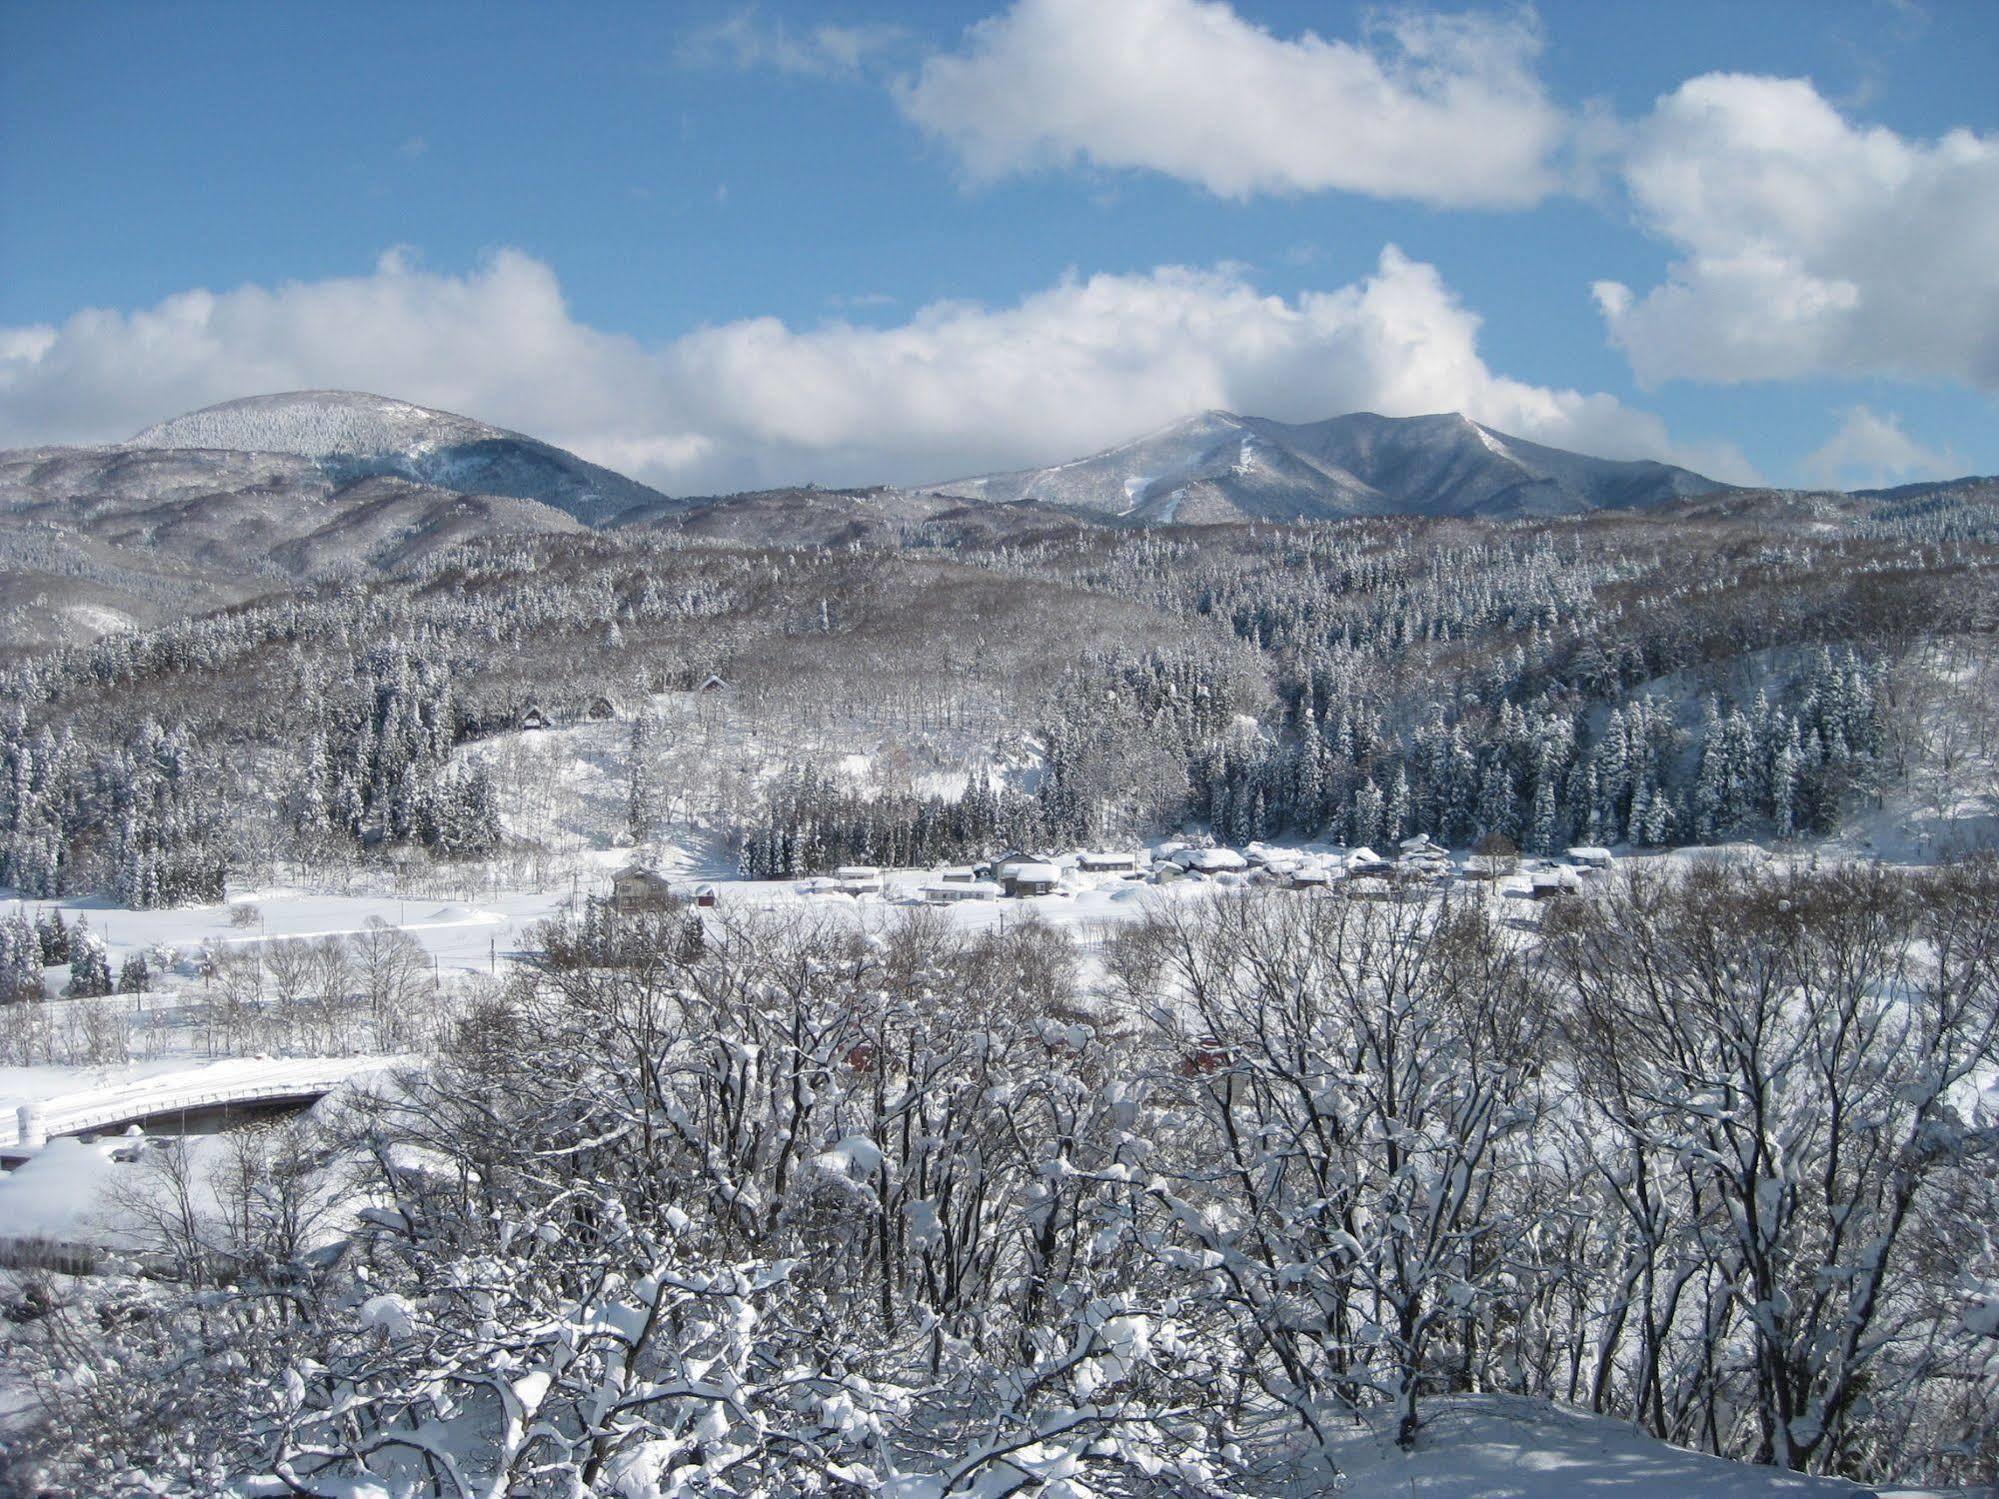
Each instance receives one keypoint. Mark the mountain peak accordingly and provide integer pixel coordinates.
(315, 424)
(1219, 465)
(350, 434)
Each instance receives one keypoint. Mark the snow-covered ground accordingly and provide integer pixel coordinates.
(1505, 1447)
(567, 787)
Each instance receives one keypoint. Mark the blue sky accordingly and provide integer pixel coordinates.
(709, 242)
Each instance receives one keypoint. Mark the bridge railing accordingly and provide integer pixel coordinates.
(34, 1122)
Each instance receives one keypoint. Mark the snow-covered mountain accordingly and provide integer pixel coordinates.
(349, 435)
(1221, 466)
(97, 538)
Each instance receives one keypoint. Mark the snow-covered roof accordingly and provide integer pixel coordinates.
(858, 872)
(962, 889)
(1036, 872)
(1589, 852)
(1211, 859)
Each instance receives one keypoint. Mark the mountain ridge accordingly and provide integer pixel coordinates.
(1219, 465)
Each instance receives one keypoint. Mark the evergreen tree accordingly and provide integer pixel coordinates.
(53, 937)
(134, 977)
(89, 964)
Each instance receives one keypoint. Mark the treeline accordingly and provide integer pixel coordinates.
(1543, 778)
(798, 1209)
(811, 824)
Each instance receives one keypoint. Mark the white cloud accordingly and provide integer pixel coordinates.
(1442, 109)
(1871, 451)
(956, 388)
(1810, 245)
(25, 346)
(830, 50)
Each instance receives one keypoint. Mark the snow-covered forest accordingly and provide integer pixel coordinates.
(1638, 679)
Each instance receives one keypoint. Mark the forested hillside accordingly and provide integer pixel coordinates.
(1694, 675)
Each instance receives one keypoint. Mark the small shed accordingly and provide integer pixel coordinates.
(957, 874)
(1026, 879)
(1590, 857)
(532, 718)
(1422, 846)
(705, 896)
(637, 890)
(859, 879)
(713, 682)
(600, 708)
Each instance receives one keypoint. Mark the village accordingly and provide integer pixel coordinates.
(1419, 869)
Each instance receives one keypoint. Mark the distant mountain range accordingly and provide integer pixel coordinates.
(1219, 467)
(258, 495)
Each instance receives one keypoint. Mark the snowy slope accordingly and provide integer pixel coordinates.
(1504, 1447)
(1219, 466)
(350, 434)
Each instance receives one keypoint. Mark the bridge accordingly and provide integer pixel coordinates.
(242, 1081)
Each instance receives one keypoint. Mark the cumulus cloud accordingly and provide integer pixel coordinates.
(1811, 245)
(1441, 109)
(1870, 450)
(956, 388)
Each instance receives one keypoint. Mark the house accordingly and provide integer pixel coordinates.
(1422, 846)
(1102, 861)
(712, 683)
(1372, 887)
(637, 890)
(531, 718)
(859, 879)
(1365, 861)
(957, 874)
(600, 708)
(1549, 883)
(1006, 863)
(1212, 860)
(1030, 878)
(1311, 877)
(705, 896)
(955, 892)
(1590, 857)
